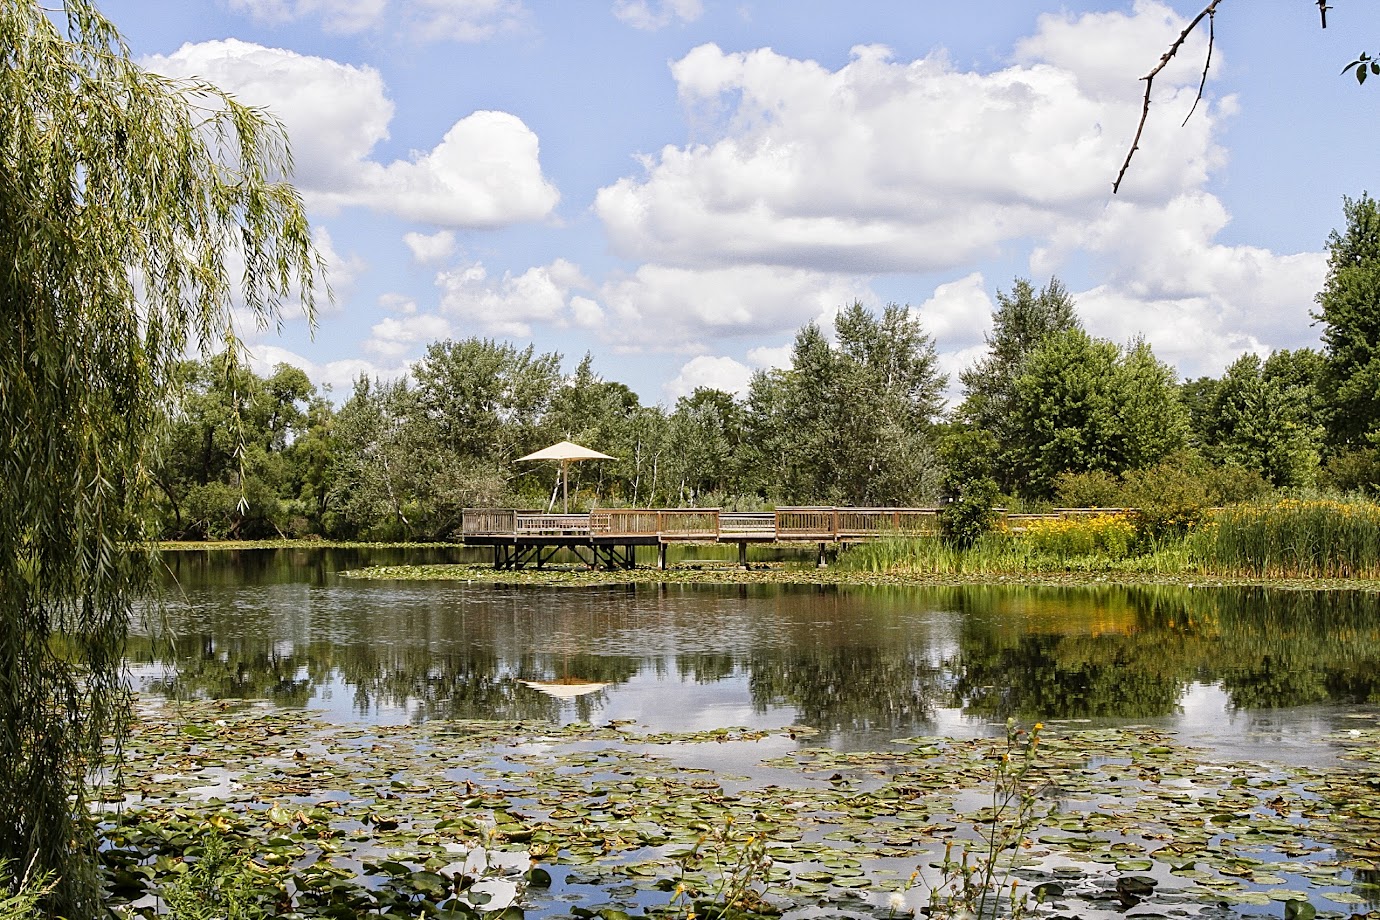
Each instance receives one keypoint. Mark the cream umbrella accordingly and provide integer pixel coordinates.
(566, 688)
(566, 453)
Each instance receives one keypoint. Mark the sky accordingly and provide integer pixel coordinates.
(677, 186)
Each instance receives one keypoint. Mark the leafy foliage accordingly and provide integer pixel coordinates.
(123, 198)
(1263, 421)
(1024, 318)
(1083, 404)
(1349, 311)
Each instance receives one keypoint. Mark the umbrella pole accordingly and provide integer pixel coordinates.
(565, 483)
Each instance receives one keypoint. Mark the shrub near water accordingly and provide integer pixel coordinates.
(1111, 536)
(1083, 543)
(1291, 539)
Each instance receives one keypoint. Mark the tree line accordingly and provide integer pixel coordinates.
(1050, 414)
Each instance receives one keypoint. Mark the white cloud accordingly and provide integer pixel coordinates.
(885, 165)
(661, 307)
(393, 337)
(959, 313)
(339, 376)
(767, 357)
(511, 304)
(1200, 304)
(484, 173)
(454, 20)
(650, 16)
(707, 371)
(1124, 44)
(430, 250)
(586, 313)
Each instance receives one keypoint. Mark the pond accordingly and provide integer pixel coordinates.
(1206, 752)
(1247, 672)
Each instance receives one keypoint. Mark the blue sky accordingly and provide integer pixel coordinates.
(676, 186)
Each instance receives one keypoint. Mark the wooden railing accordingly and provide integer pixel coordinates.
(858, 523)
(758, 525)
(690, 524)
(536, 524)
(625, 522)
(668, 524)
(488, 522)
(804, 524)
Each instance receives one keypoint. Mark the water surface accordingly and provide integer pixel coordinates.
(1246, 673)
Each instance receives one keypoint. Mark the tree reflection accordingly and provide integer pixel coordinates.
(845, 660)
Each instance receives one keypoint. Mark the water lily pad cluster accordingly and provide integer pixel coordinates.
(469, 819)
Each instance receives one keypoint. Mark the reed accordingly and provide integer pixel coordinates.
(1290, 538)
(1092, 544)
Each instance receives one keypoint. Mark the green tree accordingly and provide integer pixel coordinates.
(1084, 404)
(1349, 310)
(227, 460)
(122, 196)
(597, 413)
(705, 440)
(1261, 421)
(1022, 321)
(852, 423)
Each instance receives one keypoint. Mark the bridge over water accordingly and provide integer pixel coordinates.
(610, 536)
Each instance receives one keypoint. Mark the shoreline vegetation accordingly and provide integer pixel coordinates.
(1317, 543)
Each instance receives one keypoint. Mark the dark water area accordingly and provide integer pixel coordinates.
(1245, 673)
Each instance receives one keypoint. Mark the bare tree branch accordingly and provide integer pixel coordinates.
(1207, 64)
(1209, 13)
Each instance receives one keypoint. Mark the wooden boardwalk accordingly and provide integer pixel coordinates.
(609, 537)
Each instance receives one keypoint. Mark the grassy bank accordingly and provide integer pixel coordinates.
(1318, 543)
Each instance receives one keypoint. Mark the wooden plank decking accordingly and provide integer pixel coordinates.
(520, 537)
(784, 525)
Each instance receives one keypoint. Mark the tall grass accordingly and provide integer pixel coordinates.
(1089, 544)
(1320, 538)
(1283, 538)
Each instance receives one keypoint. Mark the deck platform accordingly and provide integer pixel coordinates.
(609, 537)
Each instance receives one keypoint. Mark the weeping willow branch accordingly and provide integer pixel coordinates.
(123, 197)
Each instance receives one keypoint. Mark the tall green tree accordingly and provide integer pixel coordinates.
(122, 197)
(705, 440)
(1262, 421)
(851, 423)
(1024, 318)
(1349, 310)
(1084, 404)
(226, 466)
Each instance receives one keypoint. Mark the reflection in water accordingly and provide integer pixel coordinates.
(863, 665)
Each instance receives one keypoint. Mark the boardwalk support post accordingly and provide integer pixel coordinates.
(820, 563)
(742, 555)
(661, 557)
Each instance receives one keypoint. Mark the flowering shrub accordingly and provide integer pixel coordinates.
(1109, 535)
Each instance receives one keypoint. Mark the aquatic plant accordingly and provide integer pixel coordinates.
(1110, 536)
(736, 867)
(216, 883)
(1291, 538)
(22, 895)
(980, 878)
